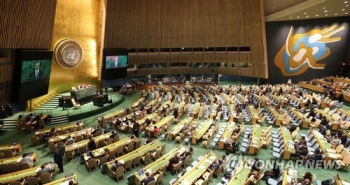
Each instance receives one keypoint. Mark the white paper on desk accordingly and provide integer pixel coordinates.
(208, 161)
(332, 155)
(212, 157)
(201, 166)
(65, 183)
(292, 172)
(345, 183)
(185, 182)
(38, 169)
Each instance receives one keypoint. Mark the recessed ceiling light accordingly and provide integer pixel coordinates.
(316, 15)
(325, 11)
(305, 13)
(326, 14)
(346, 12)
(347, 5)
(324, 7)
(298, 17)
(290, 17)
(342, 9)
(335, 14)
(345, 1)
(307, 16)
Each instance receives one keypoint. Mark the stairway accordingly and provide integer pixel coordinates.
(50, 105)
(59, 119)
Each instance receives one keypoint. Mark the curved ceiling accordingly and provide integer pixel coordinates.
(282, 10)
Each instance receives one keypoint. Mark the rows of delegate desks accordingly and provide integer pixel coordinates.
(201, 131)
(329, 118)
(16, 176)
(160, 163)
(289, 176)
(254, 114)
(177, 128)
(197, 170)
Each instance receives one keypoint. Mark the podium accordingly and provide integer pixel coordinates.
(100, 100)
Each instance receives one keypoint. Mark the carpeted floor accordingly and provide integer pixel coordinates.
(97, 178)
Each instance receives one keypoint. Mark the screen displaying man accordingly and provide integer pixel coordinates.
(37, 73)
(116, 61)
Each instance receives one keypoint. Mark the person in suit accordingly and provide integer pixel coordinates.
(43, 170)
(58, 159)
(273, 173)
(37, 73)
(27, 159)
(64, 103)
(116, 165)
(91, 144)
(149, 178)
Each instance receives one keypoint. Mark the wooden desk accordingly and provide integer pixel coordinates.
(288, 143)
(329, 118)
(16, 176)
(63, 137)
(65, 127)
(227, 134)
(17, 159)
(254, 113)
(149, 116)
(176, 129)
(64, 181)
(119, 113)
(241, 175)
(289, 175)
(198, 170)
(101, 151)
(277, 115)
(165, 121)
(138, 152)
(199, 134)
(305, 122)
(233, 113)
(13, 146)
(137, 103)
(180, 106)
(327, 150)
(311, 87)
(195, 109)
(256, 137)
(159, 163)
(77, 145)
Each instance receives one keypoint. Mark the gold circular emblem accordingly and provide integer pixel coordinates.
(68, 53)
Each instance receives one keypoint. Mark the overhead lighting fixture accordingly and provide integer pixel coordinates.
(335, 14)
(307, 16)
(304, 13)
(298, 17)
(325, 11)
(342, 9)
(346, 12)
(290, 17)
(316, 15)
(324, 7)
(326, 14)
(345, 2)
(347, 5)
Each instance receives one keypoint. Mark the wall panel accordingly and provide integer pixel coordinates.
(26, 24)
(187, 24)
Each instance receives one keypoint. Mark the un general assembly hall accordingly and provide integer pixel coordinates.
(174, 92)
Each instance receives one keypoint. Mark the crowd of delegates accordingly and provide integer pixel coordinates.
(329, 89)
(129, 87)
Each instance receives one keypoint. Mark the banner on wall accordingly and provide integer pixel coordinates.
(307, 48)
